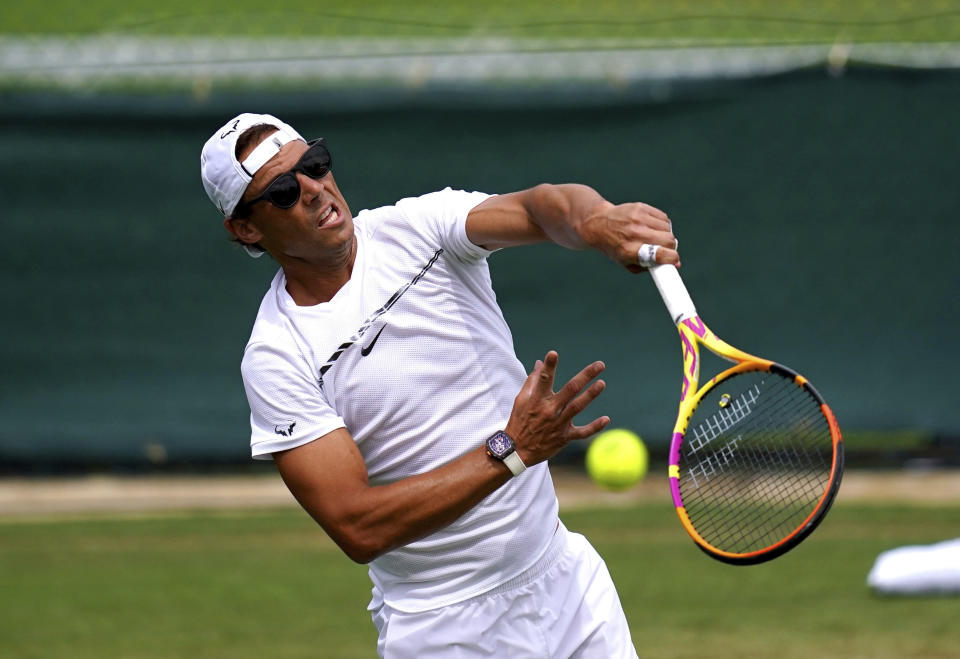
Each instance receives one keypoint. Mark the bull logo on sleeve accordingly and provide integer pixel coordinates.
(284, 430)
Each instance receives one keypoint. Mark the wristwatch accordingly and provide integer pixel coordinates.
(500, 446)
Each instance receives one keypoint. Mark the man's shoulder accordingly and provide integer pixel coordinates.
(270, 350)
(430, 201)
(430, 216)
(269, 328)
(442, 198)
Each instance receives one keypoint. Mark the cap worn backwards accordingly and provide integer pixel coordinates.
(224, 177)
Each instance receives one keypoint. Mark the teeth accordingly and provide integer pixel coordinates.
(326, 213)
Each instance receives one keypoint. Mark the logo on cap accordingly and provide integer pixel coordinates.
(233, 129)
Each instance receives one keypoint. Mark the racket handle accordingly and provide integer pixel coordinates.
(673, 292)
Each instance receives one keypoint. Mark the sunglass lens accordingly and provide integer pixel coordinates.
(283, 192)
(316, 163)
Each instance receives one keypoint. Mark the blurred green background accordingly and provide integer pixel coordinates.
(815, 199)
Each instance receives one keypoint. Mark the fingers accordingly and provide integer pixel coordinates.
(655, 217)
(541, 422)
(576, 396)
(578, 382)
(546, 373)
(660, 256)
(664, 239)
(659, 238)
(648, 216)
(629, 226)
(653, 211)
(665, 255)
(581, 402)
(592, 428)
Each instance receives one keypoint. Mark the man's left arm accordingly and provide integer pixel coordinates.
(576, 217)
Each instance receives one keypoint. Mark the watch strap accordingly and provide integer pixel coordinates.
(514, 463)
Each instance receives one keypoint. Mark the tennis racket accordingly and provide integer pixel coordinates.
(756, 456)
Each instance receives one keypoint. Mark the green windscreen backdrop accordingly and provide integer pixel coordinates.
(817, 218)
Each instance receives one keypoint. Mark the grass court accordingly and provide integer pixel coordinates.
(269, 583)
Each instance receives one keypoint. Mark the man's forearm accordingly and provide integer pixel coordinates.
(367, 521)
(576, 216)
(403, 512)
(560, 211)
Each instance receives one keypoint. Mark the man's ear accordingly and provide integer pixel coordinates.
(242, 229)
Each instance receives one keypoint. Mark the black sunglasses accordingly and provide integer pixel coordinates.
(284, 191)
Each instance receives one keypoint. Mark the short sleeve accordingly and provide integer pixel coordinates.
(287, 406)
(444, 215)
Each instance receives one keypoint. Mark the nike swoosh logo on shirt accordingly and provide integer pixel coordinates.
(366, 350)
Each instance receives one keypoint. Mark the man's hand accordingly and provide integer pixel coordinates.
(619, 230)
(541, 422)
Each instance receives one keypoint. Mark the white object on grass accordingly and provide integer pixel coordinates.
(918, 570)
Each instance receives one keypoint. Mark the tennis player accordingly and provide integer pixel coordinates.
(383, 383)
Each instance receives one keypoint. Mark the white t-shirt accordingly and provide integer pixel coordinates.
(414, 358)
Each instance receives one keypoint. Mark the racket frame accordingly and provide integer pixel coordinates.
(693, 333)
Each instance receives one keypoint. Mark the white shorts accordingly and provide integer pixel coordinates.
(564, 606)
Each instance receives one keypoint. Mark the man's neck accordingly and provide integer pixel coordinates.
(310, 283)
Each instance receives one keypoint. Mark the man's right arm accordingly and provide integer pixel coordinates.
(573, 216)
(328, 476)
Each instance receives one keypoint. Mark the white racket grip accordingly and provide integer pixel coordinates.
(673, 292)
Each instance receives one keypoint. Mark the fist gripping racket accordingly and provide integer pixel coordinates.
(756, 456)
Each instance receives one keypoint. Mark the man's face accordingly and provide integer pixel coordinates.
(318, 222)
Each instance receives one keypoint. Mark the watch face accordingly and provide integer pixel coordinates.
(500, 444)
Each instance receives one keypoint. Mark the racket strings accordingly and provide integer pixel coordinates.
(741, 528)
(786, 463)
(752, 523)
(751, 475)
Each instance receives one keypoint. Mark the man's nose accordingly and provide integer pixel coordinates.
(310, 188)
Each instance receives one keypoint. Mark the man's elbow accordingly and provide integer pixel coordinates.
(360, 554)
(548, 196)
(361, 547)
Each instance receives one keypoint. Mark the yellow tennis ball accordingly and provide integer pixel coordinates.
(617, 459)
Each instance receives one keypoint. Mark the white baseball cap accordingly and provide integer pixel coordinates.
(224, 177)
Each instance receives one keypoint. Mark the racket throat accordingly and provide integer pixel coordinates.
(691, 365)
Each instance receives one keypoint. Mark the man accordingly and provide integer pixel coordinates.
(382, 381)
